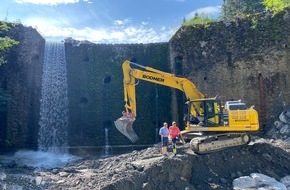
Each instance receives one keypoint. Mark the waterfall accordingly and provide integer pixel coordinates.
(54, 101)
(52, 141)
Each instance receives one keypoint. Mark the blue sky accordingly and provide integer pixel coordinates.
(106, 21)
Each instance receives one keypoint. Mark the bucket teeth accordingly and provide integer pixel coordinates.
(125, 126)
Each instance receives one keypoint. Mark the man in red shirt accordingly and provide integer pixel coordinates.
(174, 133)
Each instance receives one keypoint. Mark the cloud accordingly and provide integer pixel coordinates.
(50, 2)
(52, 30)
(122, 22)
(210, 11)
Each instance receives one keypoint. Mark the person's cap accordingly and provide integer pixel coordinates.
(173, 122)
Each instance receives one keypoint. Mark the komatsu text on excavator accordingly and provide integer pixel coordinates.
(209, 126)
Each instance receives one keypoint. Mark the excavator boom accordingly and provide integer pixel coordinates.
(125, 125)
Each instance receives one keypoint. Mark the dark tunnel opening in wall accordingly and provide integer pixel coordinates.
(107, 120)
(107, 79)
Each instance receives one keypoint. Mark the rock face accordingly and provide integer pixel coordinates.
(21, 78)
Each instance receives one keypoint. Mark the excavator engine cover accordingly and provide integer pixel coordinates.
(125, 126)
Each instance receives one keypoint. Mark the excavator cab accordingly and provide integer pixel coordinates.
(207, 112)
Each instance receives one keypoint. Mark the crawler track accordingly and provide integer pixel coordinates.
(211, 143)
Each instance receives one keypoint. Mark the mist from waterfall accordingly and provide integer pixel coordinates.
(54, 100)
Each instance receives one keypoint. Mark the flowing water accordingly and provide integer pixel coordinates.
(107, 148)
(52, 141)
(54, 101)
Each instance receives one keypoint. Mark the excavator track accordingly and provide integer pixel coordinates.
(212, 143)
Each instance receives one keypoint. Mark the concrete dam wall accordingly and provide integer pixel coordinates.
(244, 59)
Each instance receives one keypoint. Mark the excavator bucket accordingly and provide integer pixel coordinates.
(125, 126)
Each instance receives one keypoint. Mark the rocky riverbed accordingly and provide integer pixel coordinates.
(231, 168)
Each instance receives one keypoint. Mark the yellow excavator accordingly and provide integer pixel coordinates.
(209, 126)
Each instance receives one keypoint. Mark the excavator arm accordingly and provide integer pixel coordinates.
(158, 77)
(131, 76)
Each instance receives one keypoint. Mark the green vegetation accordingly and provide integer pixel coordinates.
(276, 6)
(232, 9)
(5, 44)
(202, 19)
(5, 41)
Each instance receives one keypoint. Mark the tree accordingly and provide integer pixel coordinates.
(5, 44)
(276, 6)
(5, 41)
(232, 9)
(199, 19)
